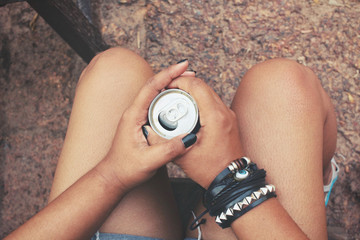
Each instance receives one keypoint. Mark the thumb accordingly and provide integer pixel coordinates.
(167, 150)
(151, 136)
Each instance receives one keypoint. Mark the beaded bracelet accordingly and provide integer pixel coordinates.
(234, 166)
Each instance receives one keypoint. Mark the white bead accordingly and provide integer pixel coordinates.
(241, 175)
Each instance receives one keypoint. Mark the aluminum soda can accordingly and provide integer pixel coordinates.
(173, 112)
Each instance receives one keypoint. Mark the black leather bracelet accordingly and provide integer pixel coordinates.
(237, 214)
(237, 164)
(229, 189)
(236, 190)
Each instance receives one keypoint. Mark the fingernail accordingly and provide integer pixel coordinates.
(181, 61)
(189, 140)
(145, 132)
(190, 70)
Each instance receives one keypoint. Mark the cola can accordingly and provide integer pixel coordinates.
(173, 112)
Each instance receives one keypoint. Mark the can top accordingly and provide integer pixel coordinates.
(173, 112)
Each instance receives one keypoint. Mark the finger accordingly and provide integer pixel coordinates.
(166, 151)
(204, 96)
(155, 84)
(188, 73)
(191, 85)
(152, 137)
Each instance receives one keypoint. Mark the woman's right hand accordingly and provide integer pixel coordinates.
(218, 142)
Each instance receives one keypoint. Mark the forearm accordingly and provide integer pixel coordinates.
(256, 213)
(79, 211)
(269, 220)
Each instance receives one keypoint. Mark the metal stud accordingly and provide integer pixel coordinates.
(249, 200)
(241, 204)
(244, 203)
(270, 188)
(256, 195)
(223, 216)
(237, 206)
(217, 220)
(264, 190)
(229, 212)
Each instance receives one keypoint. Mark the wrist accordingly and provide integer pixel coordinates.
(219, 168)
(107, 173)
(236, 190)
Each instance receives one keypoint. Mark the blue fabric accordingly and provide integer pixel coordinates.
(113, 236)
(334, 177)
(328, 193)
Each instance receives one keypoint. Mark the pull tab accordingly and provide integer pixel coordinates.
(172, 113)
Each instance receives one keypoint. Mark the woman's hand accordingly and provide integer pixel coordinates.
(130, 158)
(218, 138)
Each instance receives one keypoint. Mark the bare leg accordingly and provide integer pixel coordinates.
(105, 89)
(288, 127)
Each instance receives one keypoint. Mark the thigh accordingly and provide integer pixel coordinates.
(288, 127)
(106, 88)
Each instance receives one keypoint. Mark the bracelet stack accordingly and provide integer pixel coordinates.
(236, 190)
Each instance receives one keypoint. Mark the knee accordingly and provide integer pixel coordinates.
(115, 64)
(284, 74)
(284, 81)
(115, 55)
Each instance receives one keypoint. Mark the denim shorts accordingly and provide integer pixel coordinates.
(113, 236)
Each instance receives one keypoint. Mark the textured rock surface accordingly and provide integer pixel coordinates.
(222, 40)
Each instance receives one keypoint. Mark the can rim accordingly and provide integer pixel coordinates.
(175, 90)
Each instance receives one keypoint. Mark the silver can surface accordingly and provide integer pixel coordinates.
(173, 112)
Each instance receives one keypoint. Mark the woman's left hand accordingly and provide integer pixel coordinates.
(130, 158)
(218, 138)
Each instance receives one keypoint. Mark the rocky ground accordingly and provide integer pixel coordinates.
(222, 40)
